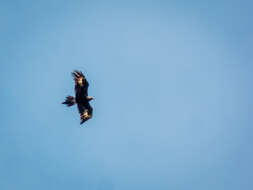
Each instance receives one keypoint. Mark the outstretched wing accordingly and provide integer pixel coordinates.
(85, 111)
(81, 84)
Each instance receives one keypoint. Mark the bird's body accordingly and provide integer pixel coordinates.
(81, 97)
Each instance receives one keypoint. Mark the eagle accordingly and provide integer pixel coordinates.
(81, 97)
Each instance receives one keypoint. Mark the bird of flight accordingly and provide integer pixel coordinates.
(81, 97)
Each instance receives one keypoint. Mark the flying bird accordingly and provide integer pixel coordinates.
(81, 97)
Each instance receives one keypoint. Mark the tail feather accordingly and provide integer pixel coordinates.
(69, 101)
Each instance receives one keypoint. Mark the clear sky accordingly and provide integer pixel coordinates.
(172, 82)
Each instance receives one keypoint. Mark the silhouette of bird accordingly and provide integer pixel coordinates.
(81, 97)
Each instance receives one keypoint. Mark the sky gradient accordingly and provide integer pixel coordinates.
(172, 82)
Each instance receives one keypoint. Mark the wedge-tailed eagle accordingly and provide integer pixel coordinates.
(81, 97)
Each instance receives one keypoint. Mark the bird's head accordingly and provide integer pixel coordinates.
(89, 98)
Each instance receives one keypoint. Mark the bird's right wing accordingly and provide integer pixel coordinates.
(80, 82)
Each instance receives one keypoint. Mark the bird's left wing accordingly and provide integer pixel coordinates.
(85, 112)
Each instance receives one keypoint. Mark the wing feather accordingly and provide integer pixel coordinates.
(85, 112)
(81, 84)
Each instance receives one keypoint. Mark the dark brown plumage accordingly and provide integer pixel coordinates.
(81, 97)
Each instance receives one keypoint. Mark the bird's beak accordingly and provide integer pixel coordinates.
(90, 98)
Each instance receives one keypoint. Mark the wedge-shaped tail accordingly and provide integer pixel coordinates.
(69, 101)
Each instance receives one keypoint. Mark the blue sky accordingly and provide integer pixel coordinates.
(172, 82)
